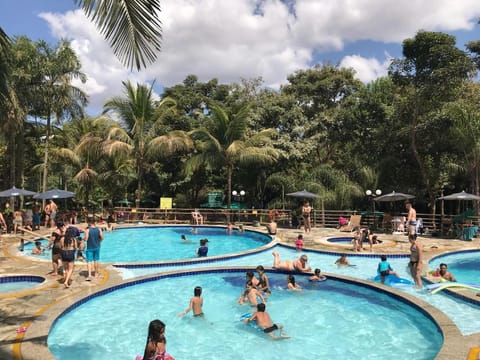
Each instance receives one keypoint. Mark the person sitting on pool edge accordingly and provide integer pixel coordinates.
(297, 265)
(443, 273)
(203, 249)
(265, 322)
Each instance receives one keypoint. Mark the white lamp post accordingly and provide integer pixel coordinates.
(371, 195)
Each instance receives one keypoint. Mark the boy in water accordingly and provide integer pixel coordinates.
(264, 322)
(385, 269)
(203, 249)
(37, 250)
(252, 294)
(196, 303)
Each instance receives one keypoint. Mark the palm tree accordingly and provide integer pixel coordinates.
(55, 96)
(136, 134)
(226, 142)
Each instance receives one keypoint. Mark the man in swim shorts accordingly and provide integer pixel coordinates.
(443, 273)
(265, 322)
(411, 219)
(93, 238)
(299, 264)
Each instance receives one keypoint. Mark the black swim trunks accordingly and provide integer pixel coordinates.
(385, 272)
(68, 255)
(270, 329)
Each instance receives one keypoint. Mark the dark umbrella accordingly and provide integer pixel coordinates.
(54, 194)
(460, 196)
(16, 192)
(124, 202)
(304, 194)
(394, 196)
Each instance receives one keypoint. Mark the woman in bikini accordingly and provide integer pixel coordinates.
(68, 244)
(415, 264)
(299, 264)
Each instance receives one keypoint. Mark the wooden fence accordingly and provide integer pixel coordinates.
(284, 218)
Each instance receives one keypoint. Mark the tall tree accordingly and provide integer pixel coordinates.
(137, 132)
(429, 75)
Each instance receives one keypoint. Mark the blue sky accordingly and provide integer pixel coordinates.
(236, 39)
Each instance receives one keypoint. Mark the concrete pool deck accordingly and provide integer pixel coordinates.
(36, 308)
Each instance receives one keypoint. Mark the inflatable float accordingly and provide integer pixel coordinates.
(392, 280)
(252, 324)
(434, 288)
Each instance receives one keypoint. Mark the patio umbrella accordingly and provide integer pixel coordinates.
(54, 194)
(394, 196)
(460, 196)
(124, 202)
(304, 194)
(16, 192)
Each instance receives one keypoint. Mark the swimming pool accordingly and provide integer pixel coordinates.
(12, 283)
(160, 243)
(344, 240)
(460, 312)
(464, 265)
(323, 321)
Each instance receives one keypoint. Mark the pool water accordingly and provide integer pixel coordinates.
(18, 282)
(159, 243)
(365, 268)
(465, 266)
(341, 240)
(328, 320)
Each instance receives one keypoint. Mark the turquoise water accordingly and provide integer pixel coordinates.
(16, 286)
(144, 244)
(328, 320)
(17, 283)
(465, 266)
(366, 268)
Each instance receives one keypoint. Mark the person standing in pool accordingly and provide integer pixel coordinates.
(291, 284)
(416, 257)
(342, 260)
(443, 273)
(93, 238)
(196, 303)
(202, 251)
(265, 322)
(263, 283)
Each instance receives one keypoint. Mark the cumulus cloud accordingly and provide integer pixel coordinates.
(235, 39)
(366, 69)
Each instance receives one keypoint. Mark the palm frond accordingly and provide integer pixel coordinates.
(131, 27)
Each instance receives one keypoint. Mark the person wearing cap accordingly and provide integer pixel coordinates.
(93, 238)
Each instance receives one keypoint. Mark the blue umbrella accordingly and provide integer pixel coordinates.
(54, 194)
(16, 192)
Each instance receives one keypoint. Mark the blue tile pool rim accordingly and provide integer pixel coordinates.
(19, 278)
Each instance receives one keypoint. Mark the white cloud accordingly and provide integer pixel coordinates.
(366, 69)
(237, 39)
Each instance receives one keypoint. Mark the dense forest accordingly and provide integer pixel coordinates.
(415, 131)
